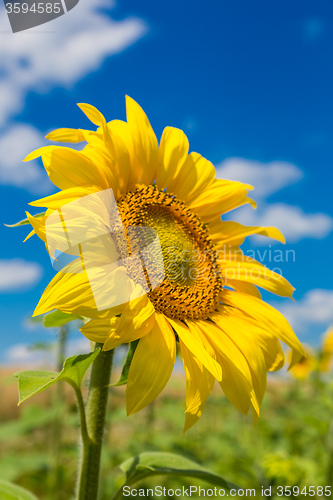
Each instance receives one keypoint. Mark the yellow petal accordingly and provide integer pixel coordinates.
(81, 219)
(219, 198)
(199, 384)
(237, 329)
(61, 198)
(92, 114)
(75, 291)
(111, 286)
(137, 319)
(172, 154)
(192, 417)
(126, 164)
(68, 292)
(306, 365)
(194, 177)
(199, 381)
(144, 145)
(122, 166)
(66, 135)
(296, 357)
(268, 317)
(263, 336)
(244, 268)
(244, 287)
(94, 137)
(151, 366)
(274, 355)
(233, 233)
(194, 342)
(99, 330)
(236, 376)
(29, 235)
(98, 119)
(99, 155)
(69, 168)
(38, 224)
(37, 153)
(327, 341)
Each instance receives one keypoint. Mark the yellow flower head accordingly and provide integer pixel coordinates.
(306, 365)
(206, 297)
(326, 354)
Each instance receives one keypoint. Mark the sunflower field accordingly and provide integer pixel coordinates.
(291, 448)
(166, 302)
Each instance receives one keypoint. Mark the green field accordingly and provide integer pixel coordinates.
(291, 446)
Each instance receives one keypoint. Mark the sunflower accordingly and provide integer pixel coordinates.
(326, 353)
(306, 365)
(207, 300)
(319, 361)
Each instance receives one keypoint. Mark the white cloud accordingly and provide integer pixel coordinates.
(59, 53)
(267, 178)
(22, 354)
(15, 144)
(19, 275)
(314, 309)
(291, 220)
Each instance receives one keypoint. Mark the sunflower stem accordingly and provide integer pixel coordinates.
(92, 437)
(82, 413)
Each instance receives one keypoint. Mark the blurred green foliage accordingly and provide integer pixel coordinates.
(292, 444)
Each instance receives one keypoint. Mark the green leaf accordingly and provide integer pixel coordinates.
(58, 318)
(124, 374)
(75, 367)
(10, 491)
(160, 463)
(34, 381)
(24, 222)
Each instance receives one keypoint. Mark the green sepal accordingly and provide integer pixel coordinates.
(124, 374)
(10, 491)
(34, 381)
(58, 318)
(24, 222)
(160, 464)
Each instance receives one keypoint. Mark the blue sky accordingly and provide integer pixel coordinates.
(249, 82)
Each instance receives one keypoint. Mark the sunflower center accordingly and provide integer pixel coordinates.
(192, 280)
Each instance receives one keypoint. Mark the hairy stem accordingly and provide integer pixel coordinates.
(93, 431)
